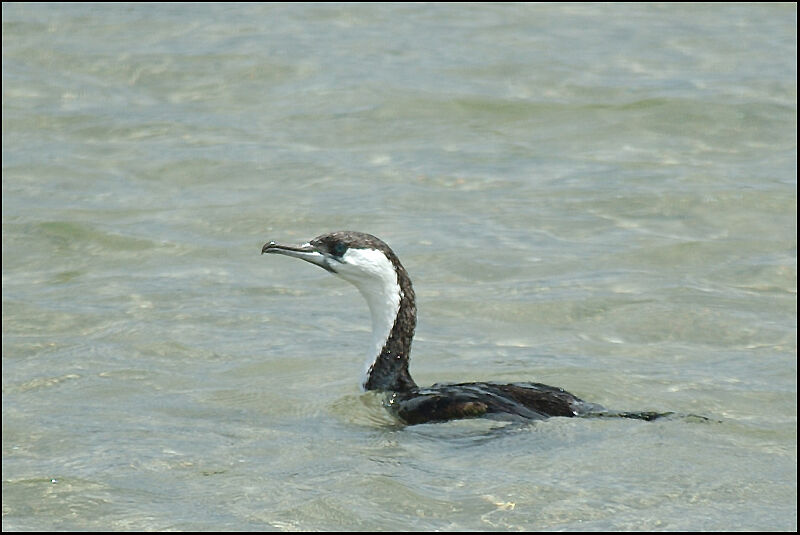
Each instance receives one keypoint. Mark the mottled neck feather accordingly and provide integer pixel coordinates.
(390, 369)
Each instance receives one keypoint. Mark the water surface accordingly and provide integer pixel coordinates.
(598, 197)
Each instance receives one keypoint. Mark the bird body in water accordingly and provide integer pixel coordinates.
(370, 264)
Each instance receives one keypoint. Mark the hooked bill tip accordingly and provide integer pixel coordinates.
(267, 246)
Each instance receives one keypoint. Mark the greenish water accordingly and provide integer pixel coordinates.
(600, 197)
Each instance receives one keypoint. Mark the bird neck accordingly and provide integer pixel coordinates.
(394, 317)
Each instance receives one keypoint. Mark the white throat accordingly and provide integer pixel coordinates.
(375, 277)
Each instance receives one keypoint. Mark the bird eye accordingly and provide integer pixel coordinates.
(339, 248)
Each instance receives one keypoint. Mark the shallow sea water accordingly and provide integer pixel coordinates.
(597, 197)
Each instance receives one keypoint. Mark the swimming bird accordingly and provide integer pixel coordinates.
(374, 269)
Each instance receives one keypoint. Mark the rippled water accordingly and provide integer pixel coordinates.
(598, 197)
